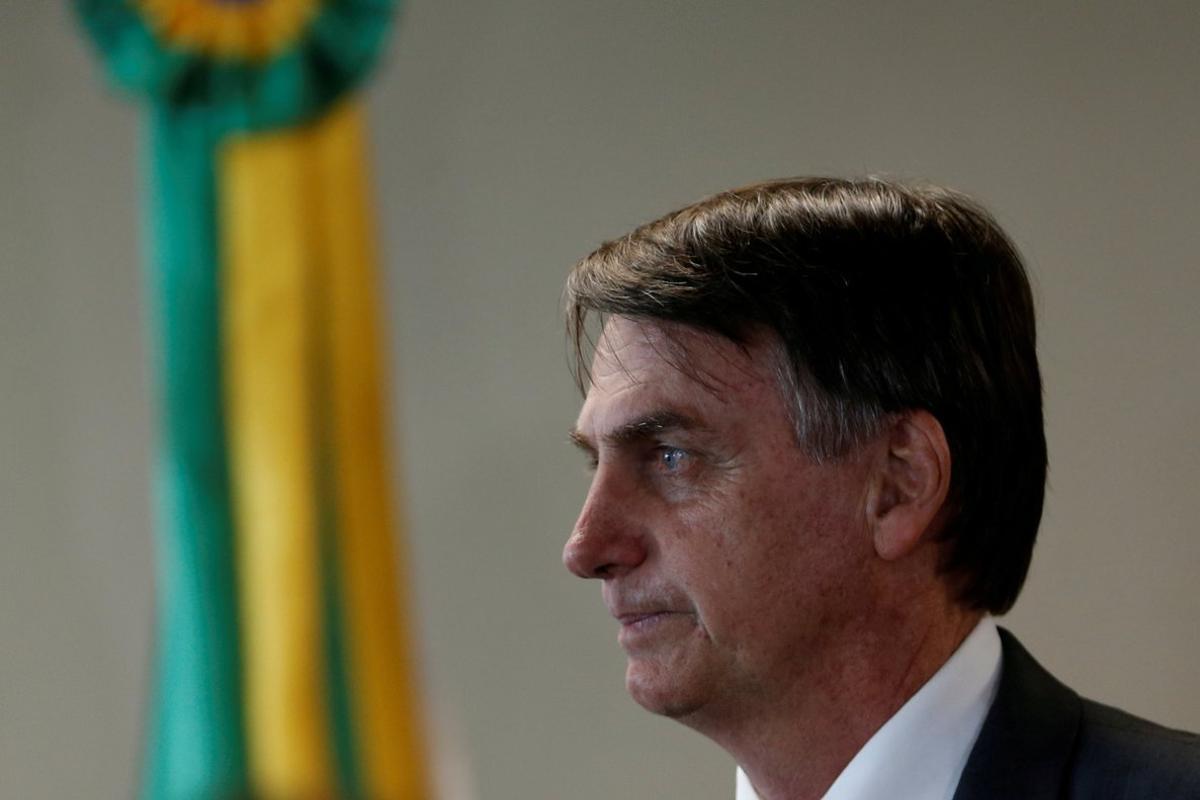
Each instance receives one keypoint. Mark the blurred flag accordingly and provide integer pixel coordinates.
(282, 669)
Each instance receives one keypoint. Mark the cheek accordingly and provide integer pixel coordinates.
(766, 555)
(794, 554)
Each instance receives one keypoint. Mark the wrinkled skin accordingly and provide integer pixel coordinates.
(735, 564)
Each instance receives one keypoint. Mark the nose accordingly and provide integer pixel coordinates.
(608, 539)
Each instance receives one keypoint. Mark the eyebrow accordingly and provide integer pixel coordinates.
(643, 427)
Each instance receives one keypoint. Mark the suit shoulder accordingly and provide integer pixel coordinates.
(1120, 755)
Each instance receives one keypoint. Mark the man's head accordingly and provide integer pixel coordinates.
(885, 298)
(733, 560)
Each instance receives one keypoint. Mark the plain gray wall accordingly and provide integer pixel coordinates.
(509, 140)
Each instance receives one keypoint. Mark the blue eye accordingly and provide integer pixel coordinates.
(672, 458)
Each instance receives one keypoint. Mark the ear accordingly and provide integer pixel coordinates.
(910, 484)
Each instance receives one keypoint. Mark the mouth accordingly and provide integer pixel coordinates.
(644, 628)
(642, 618)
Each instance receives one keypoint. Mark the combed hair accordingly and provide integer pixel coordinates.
(885, 298)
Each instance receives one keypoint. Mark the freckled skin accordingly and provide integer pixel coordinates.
(762, 556)
(783, 608)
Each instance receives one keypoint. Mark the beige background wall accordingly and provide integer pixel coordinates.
(510, 139)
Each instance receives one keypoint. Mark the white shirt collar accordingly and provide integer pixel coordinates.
(919, 753)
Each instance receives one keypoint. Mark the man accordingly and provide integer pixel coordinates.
(814, 416)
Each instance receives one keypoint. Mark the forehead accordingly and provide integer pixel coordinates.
(672, 366)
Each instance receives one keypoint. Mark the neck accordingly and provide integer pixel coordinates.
(795, 746)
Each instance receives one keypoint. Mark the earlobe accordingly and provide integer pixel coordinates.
(910, 485)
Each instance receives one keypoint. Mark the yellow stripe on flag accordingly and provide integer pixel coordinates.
(383, 689)
(299, 232)
(266, 204)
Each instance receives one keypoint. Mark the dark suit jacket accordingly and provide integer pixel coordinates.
(1041, 741)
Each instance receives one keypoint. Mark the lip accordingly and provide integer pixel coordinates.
(640, 627)
(641, 617)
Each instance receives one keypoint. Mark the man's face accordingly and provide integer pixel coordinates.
(731, 560)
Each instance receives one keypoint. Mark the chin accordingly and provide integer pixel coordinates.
(664, 692)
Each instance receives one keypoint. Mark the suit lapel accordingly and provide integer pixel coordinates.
(1027, 738)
